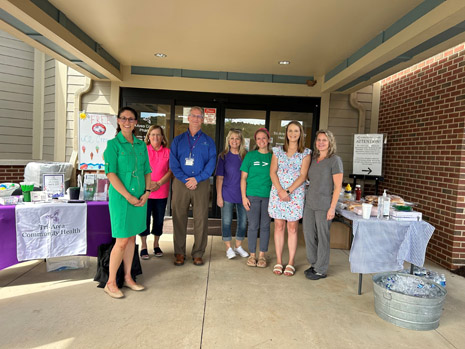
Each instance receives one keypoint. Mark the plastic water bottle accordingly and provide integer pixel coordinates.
(380, 207)
(442, 280)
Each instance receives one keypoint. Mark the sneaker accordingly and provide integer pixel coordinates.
(241, 252)
(314, 275)
(158, 252)
(230, 253)
(309, 270)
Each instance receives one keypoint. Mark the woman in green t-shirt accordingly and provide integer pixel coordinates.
(255, 190)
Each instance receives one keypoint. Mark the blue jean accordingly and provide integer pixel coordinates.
(156, 209)
(258, 218)
(227, 217)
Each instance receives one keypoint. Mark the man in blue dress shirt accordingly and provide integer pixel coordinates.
(192, 161)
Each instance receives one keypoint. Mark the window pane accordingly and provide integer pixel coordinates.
(151, 114)
(279, 121)
(246, 120)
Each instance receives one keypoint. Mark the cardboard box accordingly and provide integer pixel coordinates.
(339, 236)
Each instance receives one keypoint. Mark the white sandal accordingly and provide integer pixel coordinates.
(290, 270)
(278, 269)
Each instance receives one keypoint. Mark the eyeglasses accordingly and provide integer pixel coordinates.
(237, 130)
(131, 120)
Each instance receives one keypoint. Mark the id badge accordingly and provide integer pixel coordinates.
(189, 162)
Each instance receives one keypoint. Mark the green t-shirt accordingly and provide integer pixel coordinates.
(257, 165)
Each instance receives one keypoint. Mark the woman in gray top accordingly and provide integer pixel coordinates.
(325, 176)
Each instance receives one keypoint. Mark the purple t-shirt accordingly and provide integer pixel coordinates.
(229, 169)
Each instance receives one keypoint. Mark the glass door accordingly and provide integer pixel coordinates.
(151, 114)
(279, 121)
(181, 124)
(246, 120)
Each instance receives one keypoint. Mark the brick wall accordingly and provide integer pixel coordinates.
(12, 173)
(422, 112)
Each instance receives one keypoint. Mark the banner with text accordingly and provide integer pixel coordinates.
(50, 230)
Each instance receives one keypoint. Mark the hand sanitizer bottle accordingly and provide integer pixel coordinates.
(386, 204)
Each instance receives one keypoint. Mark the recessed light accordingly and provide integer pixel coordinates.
(284, 62)
(160, 55)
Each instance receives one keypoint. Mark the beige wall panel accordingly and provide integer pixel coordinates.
(9, 123)
(15, 131)
(13, 114)
(16, 88)
(16, 62)
(49, 110)
(49, 98)
(4, 154)
(27, 73)
(15, 79)
(23, 57)
(75, 80)
(13, 140)
(16, 98)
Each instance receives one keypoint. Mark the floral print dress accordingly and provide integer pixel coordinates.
(288, 172)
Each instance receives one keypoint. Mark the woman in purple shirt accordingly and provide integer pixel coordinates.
(228, 187)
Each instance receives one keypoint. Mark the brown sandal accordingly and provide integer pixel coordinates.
(251, 261)
(261, 262)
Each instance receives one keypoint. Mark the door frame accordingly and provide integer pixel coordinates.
(222, 101)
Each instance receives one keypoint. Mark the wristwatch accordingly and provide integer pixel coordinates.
(288, 192)
(148, 190)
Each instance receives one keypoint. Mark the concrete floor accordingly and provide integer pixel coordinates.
(223, 304)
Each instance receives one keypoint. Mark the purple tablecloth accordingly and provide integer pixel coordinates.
(98, 231)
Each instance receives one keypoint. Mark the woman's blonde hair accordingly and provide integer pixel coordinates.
(331, 140)
(300, 142)
(164, 141)
(242, 150)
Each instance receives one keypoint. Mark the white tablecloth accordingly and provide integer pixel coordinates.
(384, 245)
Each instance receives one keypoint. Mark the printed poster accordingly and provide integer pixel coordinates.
(95, 130)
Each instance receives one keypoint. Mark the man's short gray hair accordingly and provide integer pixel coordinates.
(196, 108)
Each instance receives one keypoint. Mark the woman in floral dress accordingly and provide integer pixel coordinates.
(288, 171)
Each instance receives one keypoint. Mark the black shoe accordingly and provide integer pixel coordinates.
(313, 275)
(158, 252)
(309, 270)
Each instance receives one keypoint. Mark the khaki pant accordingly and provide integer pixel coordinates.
(180, 201)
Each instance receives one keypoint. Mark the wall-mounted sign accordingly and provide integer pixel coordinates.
(368, 154)
(94, 132)
(209, 116)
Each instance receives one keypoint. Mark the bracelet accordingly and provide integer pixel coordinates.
(147, 190)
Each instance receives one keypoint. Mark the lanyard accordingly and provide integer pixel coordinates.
(191, 147)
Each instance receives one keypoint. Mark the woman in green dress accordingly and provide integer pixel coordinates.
(128, 170)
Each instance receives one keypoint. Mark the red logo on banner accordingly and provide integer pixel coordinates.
(99, 129)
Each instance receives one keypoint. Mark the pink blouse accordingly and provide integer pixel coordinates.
(159, 162)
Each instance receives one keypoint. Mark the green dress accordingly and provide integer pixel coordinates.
(130, 162)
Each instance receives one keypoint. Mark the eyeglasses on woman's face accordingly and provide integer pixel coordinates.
(131, 120)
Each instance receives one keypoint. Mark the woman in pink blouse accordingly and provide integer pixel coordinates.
(159, 156)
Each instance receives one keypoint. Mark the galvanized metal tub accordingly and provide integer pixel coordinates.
(414, 313)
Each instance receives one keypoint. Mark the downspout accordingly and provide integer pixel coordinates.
(361, 111)
(77, 110)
